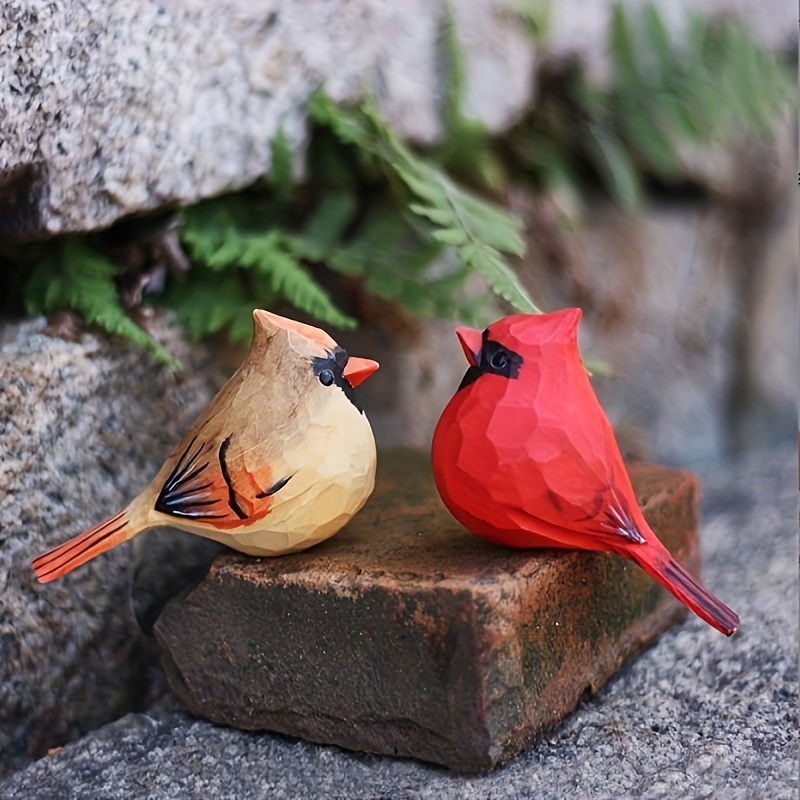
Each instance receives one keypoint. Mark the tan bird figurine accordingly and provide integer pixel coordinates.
(281, 459)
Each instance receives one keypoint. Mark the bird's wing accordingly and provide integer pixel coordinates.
(577, 483)
(229, 467)
(219, 483)
(602, 514)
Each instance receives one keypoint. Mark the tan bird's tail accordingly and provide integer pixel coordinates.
(85, 546)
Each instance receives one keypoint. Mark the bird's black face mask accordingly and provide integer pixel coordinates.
(330, 370)
(493, 359)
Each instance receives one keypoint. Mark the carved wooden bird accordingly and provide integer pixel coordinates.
(524, 455)
(281, 458)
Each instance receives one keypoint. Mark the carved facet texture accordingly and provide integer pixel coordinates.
(528, 457)
(277, 462)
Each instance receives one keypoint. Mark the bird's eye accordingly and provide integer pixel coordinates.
(499, 360)
(326, 377)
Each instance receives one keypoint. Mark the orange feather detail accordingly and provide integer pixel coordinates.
(83, 547)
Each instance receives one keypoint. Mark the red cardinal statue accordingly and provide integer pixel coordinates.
(524, 455)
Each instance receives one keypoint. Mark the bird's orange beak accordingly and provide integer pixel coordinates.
(359, 369)
(471, 343)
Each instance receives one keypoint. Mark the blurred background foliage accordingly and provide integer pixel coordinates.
(372, 217)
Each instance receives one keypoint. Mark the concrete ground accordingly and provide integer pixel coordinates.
(698, 715)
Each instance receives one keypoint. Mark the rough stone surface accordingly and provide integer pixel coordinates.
(405, 635)
(83, 426)
(117, 107)
(690, 307)
(112, 108)
(697, 715)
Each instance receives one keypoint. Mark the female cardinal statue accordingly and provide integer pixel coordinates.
(524, 455)
(281, 459)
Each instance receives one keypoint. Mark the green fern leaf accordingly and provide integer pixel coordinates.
(479, 232)
(623, 51)
(483, 231)
(292, 280)
(647, 131)
(78, 278)
(401, 262)
(206, 226)
(658, 42)
(206, 302)
(490, 263)
(385, 240)
(456, 74)
(325, 227)
(281, 172)
(615, 167)
(348, 127)
(225, 237)
(449, 236)
(232, 252)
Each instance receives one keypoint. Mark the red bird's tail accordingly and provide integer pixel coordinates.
(83, 547)
(667, 571)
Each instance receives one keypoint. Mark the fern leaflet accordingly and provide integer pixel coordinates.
(478, 231)
(74, 276)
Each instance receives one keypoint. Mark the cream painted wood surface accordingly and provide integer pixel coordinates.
(281, 458)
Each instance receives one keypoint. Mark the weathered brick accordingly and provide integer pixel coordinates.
(406, 635)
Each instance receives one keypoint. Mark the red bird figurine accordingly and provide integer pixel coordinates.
(524, 455)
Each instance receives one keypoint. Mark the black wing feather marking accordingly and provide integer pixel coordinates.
(233, 503)
(335, 361)
(181, 496)
(276, 487)
(618, 520)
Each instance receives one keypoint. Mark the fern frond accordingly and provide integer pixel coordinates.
(219, 241)
(535, 15)
(350, 128)
(281, 173)
(715, 81)
(479, 232)
(292, 280)
(206, 302)
(74, 276)
(455, 88)
(614, 165)
(325, 227)
(402, 263)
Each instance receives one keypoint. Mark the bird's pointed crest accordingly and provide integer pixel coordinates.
(559, 327)
(266, 324)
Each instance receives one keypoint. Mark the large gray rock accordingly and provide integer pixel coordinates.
(690, 305)
(110, 108)
(698, 715)
(83, 426)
